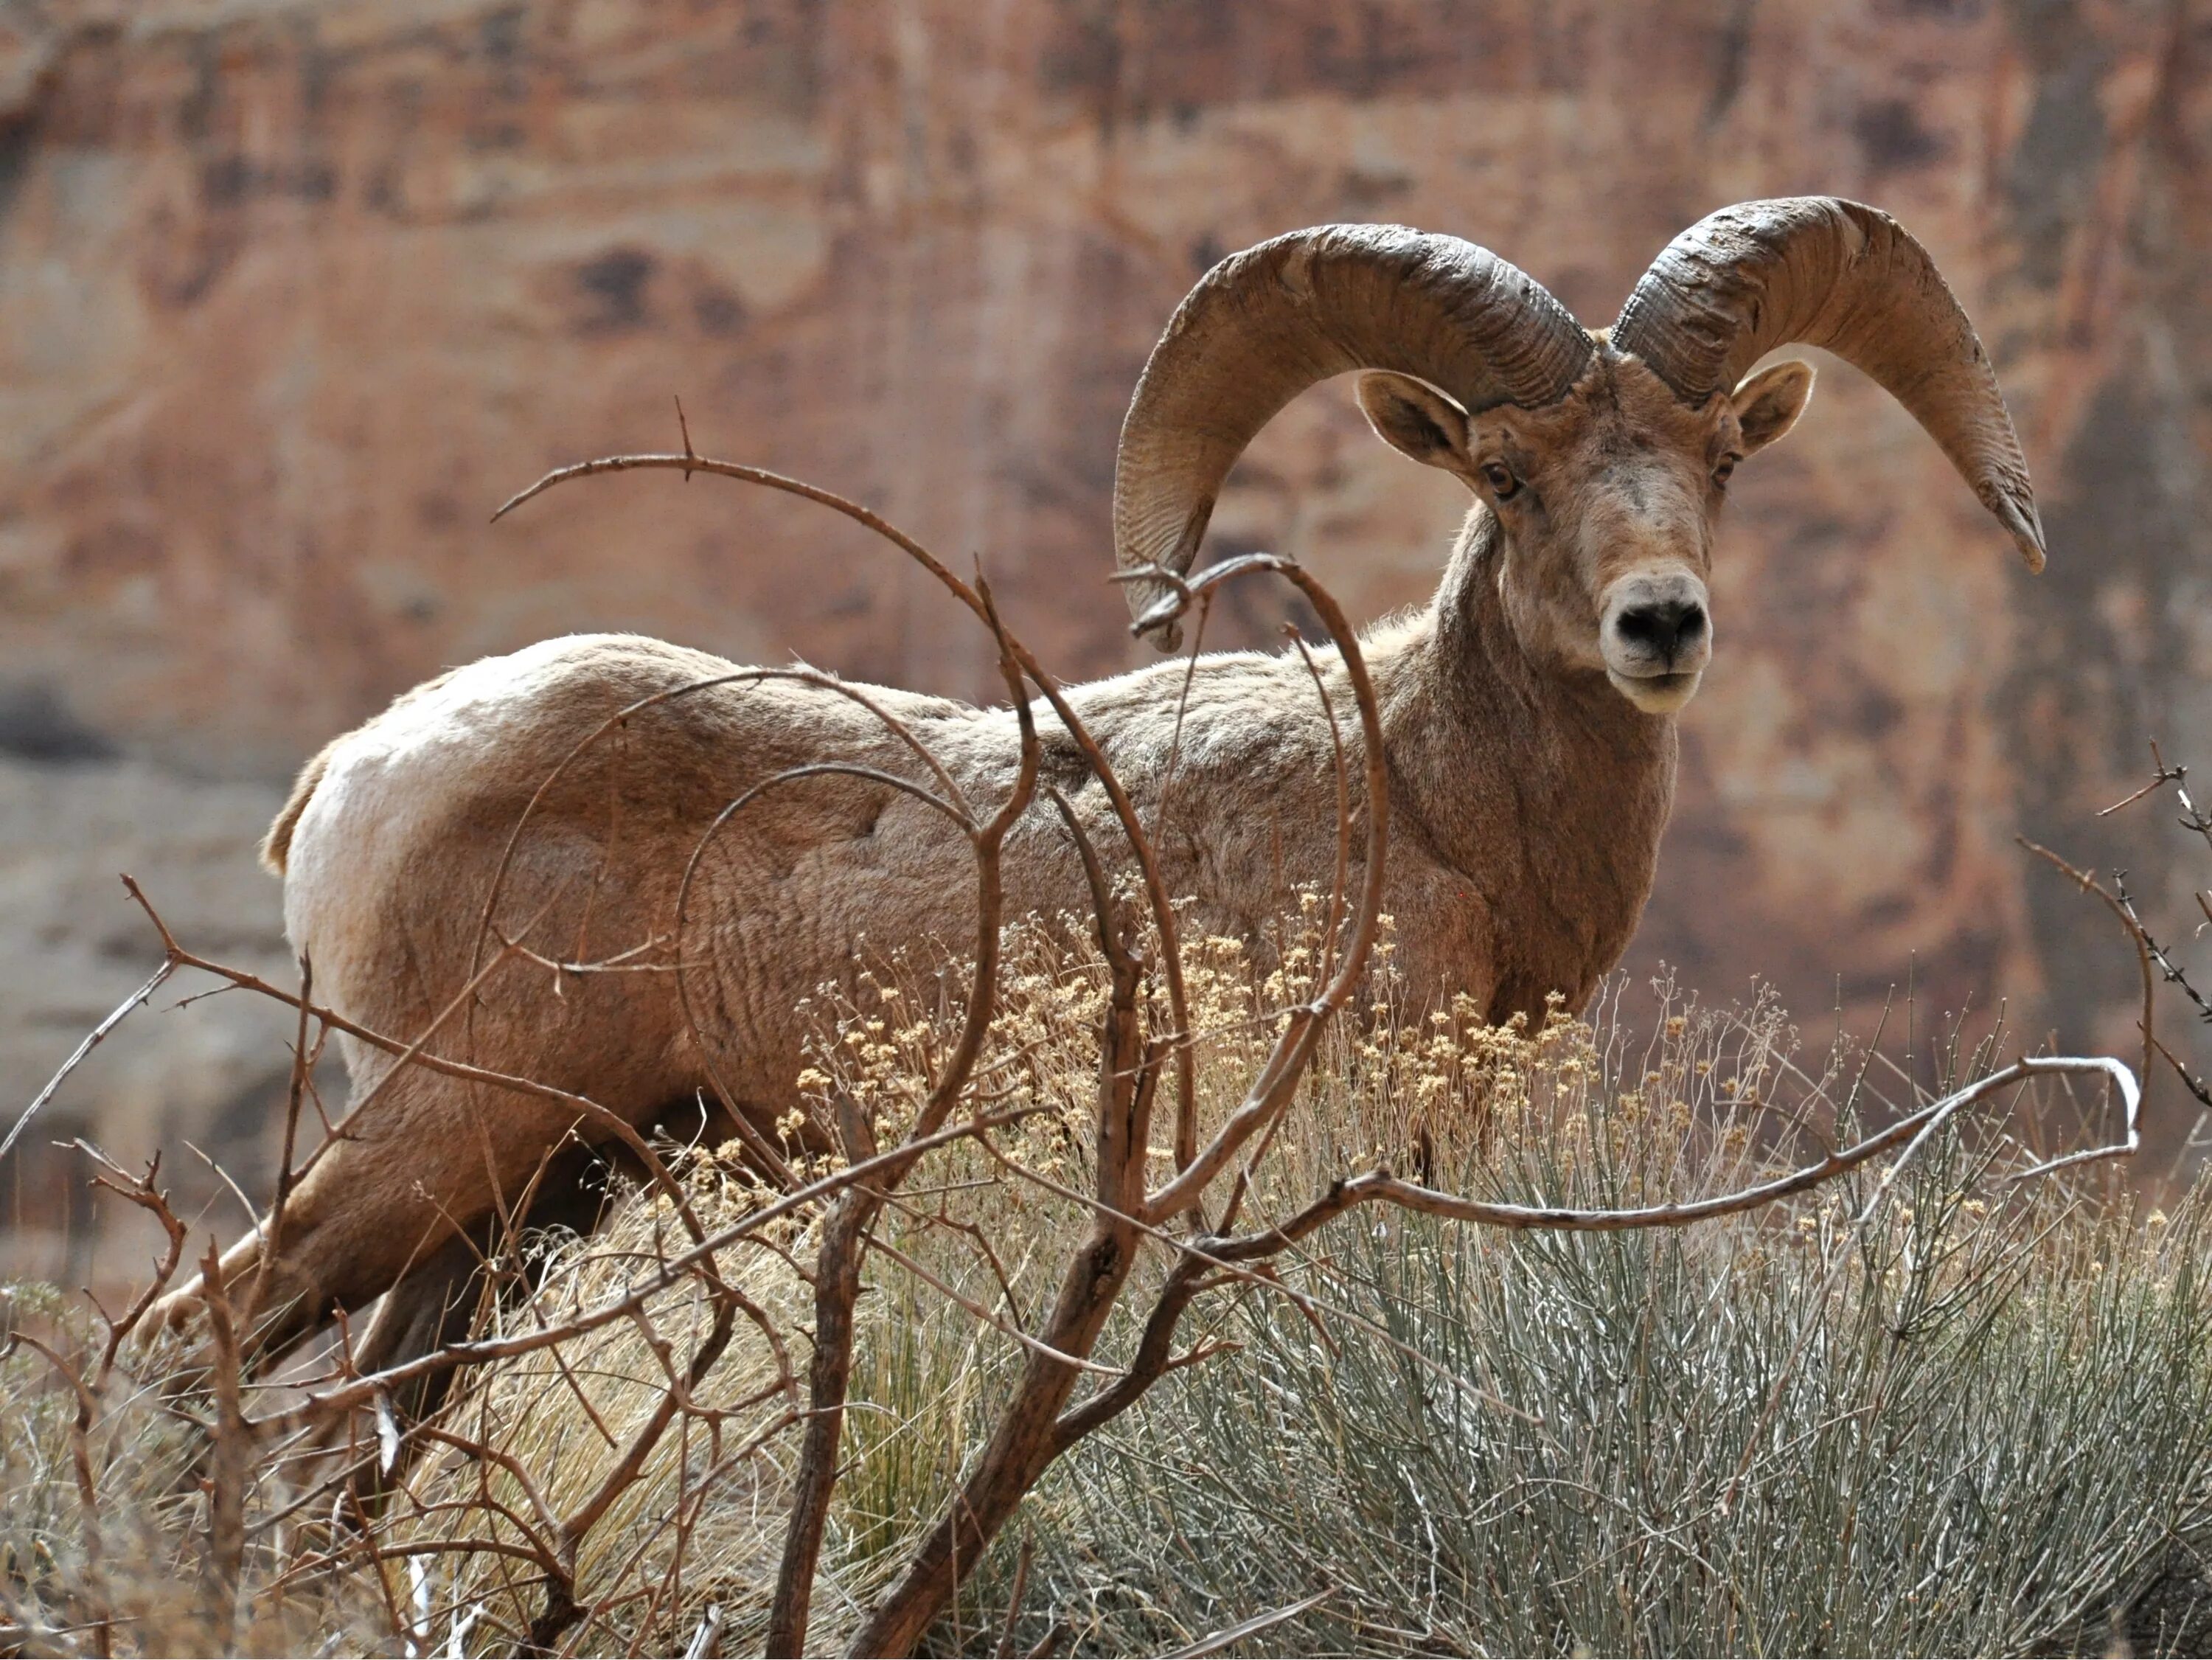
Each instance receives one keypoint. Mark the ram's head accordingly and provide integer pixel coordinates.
(1602, 459)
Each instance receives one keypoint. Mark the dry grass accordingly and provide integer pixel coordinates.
(1981, 1420)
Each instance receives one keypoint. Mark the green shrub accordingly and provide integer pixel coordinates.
(1987, 1428)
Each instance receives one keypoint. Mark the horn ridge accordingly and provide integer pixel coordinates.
(1265, 324)
(1823, 271)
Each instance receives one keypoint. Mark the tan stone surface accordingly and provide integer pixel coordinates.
(291, 293)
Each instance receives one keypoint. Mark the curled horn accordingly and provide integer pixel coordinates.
(1828, 272)
(1266, 324)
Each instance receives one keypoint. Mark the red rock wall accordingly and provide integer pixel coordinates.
(292, 294)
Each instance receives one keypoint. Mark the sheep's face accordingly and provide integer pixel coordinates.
(1607, 502)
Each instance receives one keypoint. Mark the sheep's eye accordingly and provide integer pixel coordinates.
(1502, 481)
(1723, 468)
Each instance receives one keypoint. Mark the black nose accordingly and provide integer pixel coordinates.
(1664, 626)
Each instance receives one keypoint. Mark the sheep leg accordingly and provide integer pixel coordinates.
(436, 1303)
(363, 1222)
(432, 1157)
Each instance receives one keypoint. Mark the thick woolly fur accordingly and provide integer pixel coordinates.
(1528, 794)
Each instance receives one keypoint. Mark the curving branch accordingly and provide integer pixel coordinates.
(1157, 899)
(1382, 1186)
(1029, 1435)
(845, 1231)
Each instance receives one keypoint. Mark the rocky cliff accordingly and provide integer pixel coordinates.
(292, 292)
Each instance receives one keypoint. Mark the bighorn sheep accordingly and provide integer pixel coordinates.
(1528, 713)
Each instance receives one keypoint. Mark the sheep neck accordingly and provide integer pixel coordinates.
(1544, 788)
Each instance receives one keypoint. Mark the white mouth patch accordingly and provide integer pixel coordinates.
(1656, 694)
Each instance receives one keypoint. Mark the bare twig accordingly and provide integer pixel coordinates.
(2145, 950)
(273, 1244)
(140, 1191)
(1271, 1091)
(1381, 1185)
(230, 1468)
(1339, 885)
(1250, 1628)
(92, 1040)
(1014, 1596)
(2160, 774)
(2196, 1086)
(959, 1299)
(2173, 973)
(846, 1229)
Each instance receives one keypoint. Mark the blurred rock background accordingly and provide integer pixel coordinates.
(293, 292)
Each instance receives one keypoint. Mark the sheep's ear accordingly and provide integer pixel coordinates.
(1768, 404)
(1417, 420)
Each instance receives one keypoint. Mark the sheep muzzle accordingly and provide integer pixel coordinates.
(1656, 636)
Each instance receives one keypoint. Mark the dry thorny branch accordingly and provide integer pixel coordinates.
(331, 1443)
(2192, 819)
